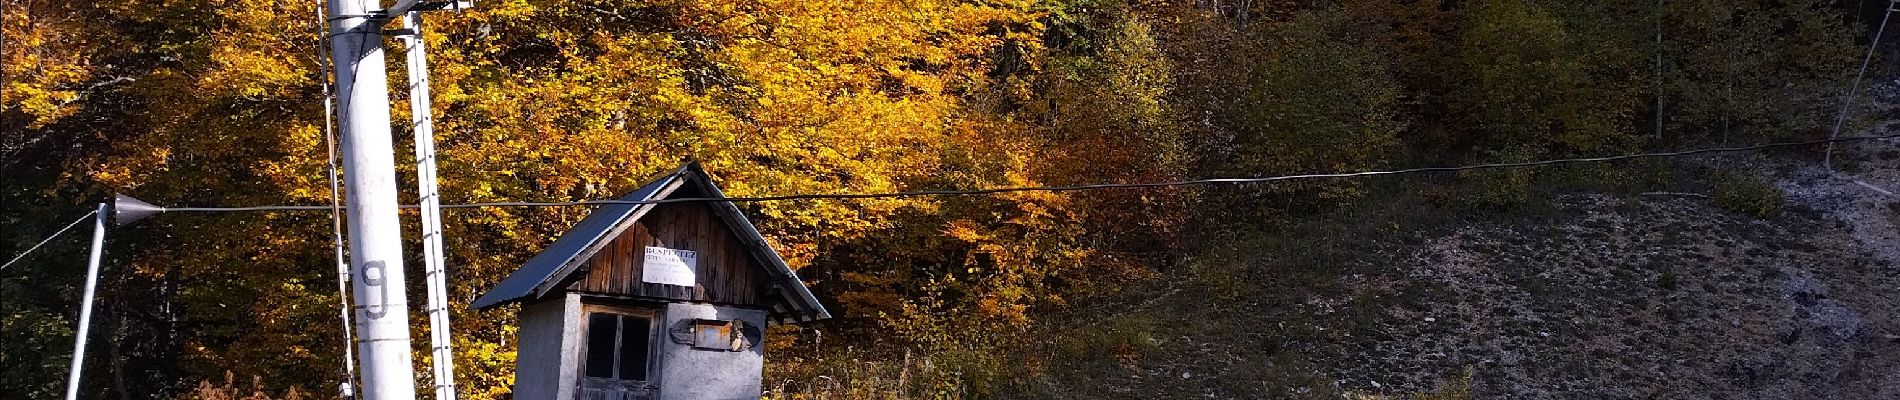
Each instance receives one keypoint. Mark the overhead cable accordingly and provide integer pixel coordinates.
(1072, 188)
(49, 238)
(843, 196)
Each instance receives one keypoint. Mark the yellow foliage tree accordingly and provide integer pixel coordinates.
(537, 100)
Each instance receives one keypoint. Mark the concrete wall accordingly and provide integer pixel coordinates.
(548, 358)
(687, 373)
(547, 349)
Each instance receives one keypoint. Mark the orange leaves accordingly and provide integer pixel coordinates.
(263, 49)
(965, 230)
(45, 60)
(564, 100)
(556, 100)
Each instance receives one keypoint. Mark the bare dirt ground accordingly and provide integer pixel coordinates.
(1605, 296)
(1652, 298)
(1660, 295)
(1664, 296)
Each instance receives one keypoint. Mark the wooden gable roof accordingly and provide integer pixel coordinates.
(744, 270)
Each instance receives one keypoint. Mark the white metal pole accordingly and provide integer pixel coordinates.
(382, 314)
(434, 264)
(85, 302)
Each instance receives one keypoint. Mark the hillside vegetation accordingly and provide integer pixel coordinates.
(1295, 289)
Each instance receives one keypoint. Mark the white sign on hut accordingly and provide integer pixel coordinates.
(652, 301)
(670, 266)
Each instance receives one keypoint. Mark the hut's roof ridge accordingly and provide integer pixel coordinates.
(560, 259)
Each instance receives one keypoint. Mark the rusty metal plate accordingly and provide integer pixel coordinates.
(712, 335)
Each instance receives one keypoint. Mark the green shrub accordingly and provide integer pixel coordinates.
(1747, 195)
(1459, 389)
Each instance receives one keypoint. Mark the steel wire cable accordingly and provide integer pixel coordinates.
(48, 238)
(1072, 188)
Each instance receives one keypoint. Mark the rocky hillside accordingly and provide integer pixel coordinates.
(1651, 297)
(1605, 296)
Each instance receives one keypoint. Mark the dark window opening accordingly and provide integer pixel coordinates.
(617, 346)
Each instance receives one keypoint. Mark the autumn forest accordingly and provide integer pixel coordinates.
(221, 103)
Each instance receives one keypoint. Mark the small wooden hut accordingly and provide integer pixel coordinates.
(652, 301)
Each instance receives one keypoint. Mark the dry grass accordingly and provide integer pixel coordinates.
(230, 391)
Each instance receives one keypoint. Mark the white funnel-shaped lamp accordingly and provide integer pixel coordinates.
(126, 210)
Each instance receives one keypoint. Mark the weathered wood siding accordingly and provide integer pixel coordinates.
(726, 272)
